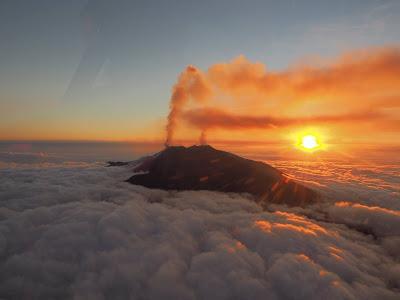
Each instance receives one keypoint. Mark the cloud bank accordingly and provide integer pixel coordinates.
(82, 233)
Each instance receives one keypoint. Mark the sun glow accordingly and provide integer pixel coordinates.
(308, 142)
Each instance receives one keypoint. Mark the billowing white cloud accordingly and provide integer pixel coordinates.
(81, 232)
(381, 221)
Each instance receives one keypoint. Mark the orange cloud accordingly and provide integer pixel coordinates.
(297, 224)
(376, 209)
(206, 118)
(359, 73)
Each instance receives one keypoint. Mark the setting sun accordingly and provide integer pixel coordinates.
(309, 142)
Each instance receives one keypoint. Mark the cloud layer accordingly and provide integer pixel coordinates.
(374, 183)
(81, 232)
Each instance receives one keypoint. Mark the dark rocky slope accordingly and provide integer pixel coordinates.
(205, 168)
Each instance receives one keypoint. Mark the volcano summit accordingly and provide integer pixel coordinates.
(205, 168)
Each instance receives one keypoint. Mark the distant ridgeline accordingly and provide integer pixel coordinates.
(205, 168)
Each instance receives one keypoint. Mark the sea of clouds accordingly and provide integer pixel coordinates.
(77, 230)
(373, 182)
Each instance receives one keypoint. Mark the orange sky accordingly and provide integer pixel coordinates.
(354, 98)
(351, 99)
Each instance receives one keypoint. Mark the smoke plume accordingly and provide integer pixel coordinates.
(191, 85)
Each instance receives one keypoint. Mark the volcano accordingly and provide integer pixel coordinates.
(206, 168)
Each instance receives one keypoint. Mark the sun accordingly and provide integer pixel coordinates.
(309, 142)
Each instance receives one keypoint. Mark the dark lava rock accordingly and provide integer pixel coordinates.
(205, 168)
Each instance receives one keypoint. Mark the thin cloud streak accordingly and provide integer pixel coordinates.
(215, 118)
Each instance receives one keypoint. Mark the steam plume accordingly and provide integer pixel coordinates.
(191, 85)
(203, 137)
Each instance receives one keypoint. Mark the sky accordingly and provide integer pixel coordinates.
(102, 70)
